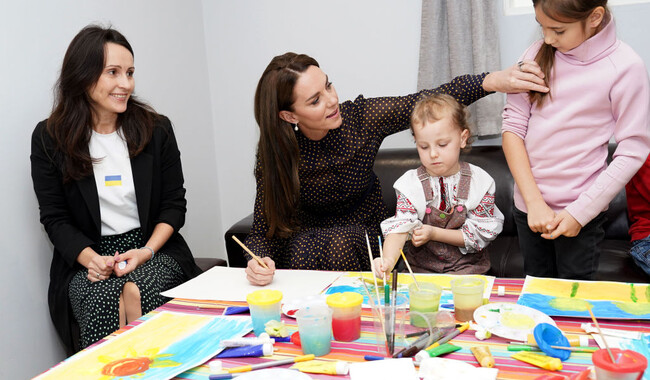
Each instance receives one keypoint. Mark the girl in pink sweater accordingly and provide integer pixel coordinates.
(556, 143)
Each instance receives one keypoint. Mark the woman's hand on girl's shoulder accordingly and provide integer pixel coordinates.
(520, 77)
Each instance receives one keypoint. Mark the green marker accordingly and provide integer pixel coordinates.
(522, 347)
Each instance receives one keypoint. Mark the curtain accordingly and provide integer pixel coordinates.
(461, 37)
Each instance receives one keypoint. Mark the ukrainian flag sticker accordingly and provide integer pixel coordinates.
(113, 180)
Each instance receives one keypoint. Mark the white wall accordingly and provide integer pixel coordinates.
(197, 62)
(171, 74)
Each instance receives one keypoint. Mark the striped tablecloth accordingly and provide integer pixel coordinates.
(367, 345)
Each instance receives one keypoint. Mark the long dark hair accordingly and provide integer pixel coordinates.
(70, 123)
(277, 149)
(562, 11)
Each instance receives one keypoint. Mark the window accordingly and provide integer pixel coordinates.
(517, 7)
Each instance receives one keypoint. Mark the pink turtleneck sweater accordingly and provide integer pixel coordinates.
(599, 89)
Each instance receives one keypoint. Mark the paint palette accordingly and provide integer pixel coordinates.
(291, 307)
(510, 320)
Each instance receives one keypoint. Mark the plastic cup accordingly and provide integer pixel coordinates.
(315, 329)
(423, 301)
(629, 364)
(468, 295)
(389, 321)
(264, 305)
(346, 315)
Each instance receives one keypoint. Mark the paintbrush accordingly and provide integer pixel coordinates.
(257, 258)
(372, 268)
(386, 286)
(611, 356)
(409, 268)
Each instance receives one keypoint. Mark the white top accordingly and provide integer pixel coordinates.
(484, 220)
(117, 203)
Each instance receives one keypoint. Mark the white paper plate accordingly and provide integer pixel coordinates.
(275, 374)
(291, 307)
(510, 320)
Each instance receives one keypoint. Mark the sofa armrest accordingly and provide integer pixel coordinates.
(235, 253)
(206, 263)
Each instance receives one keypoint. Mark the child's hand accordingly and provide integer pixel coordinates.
(564, 224)
(382, 267)
(423, 234)
(540, 217)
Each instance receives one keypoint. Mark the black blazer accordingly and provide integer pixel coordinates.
(70, 212)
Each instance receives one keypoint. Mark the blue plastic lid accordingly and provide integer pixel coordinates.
(547, 335)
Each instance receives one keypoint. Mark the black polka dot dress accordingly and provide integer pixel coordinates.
(95, 304)
(340, 196)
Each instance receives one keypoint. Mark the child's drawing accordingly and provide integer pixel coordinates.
(162, 347)
(573, 298)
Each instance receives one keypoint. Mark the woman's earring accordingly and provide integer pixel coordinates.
(295, 127)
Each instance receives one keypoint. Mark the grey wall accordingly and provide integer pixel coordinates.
(171, 72)
(197, 62)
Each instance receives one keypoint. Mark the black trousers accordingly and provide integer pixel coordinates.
(565, 257)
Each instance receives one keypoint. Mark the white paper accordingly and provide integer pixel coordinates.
(388, 369)
(230, 284)
(449, 369)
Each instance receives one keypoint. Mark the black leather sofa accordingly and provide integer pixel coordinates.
(615, 262)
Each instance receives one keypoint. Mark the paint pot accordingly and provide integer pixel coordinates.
(629, 364)
(468, 296)
(264, 305)
(315, 328)
(423, 300)
(546, 336)
(346, 315)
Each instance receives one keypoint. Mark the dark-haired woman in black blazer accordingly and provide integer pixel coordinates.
(107, 174)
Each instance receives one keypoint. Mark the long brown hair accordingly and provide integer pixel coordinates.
(70, 123)
(562, 11)
(277, 149)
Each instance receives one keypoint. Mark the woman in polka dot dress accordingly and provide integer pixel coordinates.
(317, 194)
(108, 179)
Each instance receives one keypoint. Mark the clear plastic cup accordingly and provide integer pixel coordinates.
(264, 305)
(346, 315)
(468, 296)
(389, 322)
(315, 329)
(424, 299)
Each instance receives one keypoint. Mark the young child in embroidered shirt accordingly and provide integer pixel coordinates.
(446, 206)
(556, 144)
